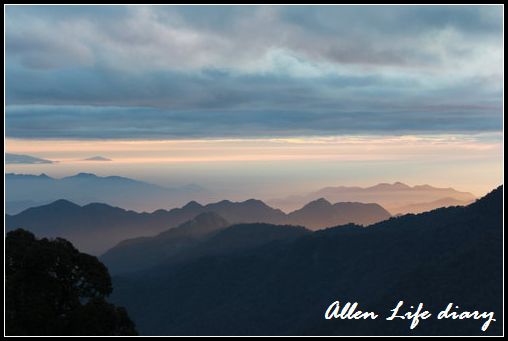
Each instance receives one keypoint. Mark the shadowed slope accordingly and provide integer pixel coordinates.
(283, 288)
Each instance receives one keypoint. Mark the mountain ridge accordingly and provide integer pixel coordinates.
(24, 191)
(84, 224)
(288, 285)
(144, 252)
(391, 196)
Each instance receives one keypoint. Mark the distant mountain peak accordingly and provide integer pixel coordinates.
(201, 224)
(84, 175)
(192, 205)
(318, 203)
(387, 186)
(30, 190)
(255, 202)
(99, 205)
(27, 176)
(225, 202)
(62, 204)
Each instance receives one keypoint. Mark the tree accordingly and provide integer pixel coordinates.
(53, 289)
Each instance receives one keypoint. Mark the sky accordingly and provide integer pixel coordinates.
(259, 100)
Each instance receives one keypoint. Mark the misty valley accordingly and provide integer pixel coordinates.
(261, 271)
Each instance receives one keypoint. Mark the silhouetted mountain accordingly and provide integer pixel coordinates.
(235, 239)
(144, 252)
(321, 213)
(97, 158)
(92, 228)
(250, 211)
(391, 196)
(95, 227)
(84, 188)
(207, 234)
(284, 287)
(24, 159)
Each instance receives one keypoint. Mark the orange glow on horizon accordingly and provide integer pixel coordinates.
(217, 150)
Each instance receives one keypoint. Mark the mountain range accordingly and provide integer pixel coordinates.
(283, 285)
(206, 234)
(397, 198)
(321, 213)
(97, 158)
(24, 191)
(96, 227)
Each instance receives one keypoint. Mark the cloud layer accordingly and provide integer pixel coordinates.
(155, 72)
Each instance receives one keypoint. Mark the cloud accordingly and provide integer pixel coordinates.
(204, 71)
(83, 122)
(181, 37)
(24, 159)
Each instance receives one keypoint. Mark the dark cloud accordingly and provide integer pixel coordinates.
(394, 20)
(178, 71)
(155, 123)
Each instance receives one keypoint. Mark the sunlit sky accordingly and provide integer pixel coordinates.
(259, 101)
